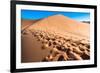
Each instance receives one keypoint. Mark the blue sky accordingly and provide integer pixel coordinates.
(36, 14)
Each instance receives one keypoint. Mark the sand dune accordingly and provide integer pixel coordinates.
(55, 38)
(27, 23)
(64, 24)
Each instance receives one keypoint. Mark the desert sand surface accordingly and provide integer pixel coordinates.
(26, 23)
(55, 38)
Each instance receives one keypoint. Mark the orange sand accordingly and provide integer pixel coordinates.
(55, 38)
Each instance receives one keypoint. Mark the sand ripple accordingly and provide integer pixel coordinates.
(61, 48)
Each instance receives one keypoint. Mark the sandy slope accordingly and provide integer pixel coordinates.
(30, 48)
(55, 38)
(27, 23)
(64, 24)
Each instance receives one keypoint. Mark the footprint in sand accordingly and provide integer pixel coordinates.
(62, 49)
